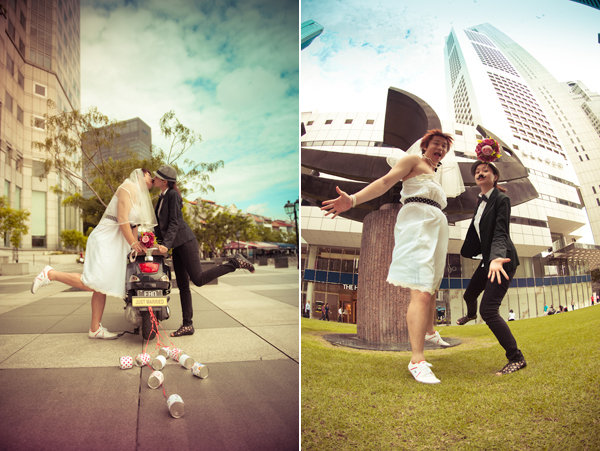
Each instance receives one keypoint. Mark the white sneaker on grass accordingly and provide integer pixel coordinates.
(421, 371)
(436, 339)
(41, 280)
(102, 333)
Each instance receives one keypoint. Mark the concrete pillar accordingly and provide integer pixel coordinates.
(381, 307)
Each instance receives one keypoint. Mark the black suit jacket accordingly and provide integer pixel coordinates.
(495, 237)
(172, 230)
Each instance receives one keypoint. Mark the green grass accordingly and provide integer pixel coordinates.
(354, 399)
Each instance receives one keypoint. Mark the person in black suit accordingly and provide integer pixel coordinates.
(488, 237)
(173, 232)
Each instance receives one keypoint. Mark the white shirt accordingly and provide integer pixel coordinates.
(161, 200)
(511, 315)
(479, 212)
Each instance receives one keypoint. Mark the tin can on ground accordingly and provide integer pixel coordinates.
(174, 353)
(164, 351)
(156, 379)
(175, 404)
(200, 370)
(186, 361)
(159, 362)
(142, 359)
(126, 362)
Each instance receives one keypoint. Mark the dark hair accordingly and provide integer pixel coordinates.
(173, 185)
(426, 139)
(494, 170)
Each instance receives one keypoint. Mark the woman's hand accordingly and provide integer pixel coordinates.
(137, 247)
(339, 205)
(496, 268)
(162, 249)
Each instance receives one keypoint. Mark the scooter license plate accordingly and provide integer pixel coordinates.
(150, 293)
(138, 301)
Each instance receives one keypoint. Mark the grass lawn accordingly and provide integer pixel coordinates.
(354, 399)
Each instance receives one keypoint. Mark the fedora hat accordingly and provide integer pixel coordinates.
(167, 173)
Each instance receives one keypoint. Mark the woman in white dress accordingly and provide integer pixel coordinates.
(421, 239)
(104, 269)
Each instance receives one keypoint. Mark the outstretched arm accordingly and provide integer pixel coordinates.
(374, 189)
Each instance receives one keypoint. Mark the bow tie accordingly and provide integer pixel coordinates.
(482, 198)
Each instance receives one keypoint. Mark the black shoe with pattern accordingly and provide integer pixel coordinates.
(240, 262)
(511, 367)
(465, 319)
(183, 330)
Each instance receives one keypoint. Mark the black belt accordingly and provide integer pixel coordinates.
(113, 218)
(422, 200)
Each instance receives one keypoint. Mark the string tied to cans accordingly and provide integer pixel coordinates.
(156, 364)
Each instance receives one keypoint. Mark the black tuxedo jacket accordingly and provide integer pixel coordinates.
(495, 238)
(172, 230)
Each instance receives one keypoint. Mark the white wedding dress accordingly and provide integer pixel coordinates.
(105, 265)
(421, 237)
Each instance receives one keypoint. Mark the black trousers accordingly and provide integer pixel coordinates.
(493, 293)
(186, 261)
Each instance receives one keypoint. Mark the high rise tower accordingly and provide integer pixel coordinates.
(39, 51)
(491, 80)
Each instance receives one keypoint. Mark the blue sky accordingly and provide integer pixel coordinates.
(229, 70)
(367, 47)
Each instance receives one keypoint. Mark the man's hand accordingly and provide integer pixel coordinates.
(496, 268)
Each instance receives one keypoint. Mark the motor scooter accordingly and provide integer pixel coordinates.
(147, 284)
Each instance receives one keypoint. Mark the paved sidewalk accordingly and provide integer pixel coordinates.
(61, 390)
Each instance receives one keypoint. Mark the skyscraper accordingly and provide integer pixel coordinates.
(133, 139)
(39, 50)
(492, 80)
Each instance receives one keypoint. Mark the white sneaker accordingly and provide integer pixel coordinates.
(102, 333)
(422, 373)
(436, 339)
(41, 279)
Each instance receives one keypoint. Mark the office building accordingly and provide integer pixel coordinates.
(39, 51)
(491, 81)
(132, 139)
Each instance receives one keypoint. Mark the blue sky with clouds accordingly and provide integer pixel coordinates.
(367, 47)
(229, 70)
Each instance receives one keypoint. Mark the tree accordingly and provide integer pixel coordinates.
(213, 228)
(75, 138)
(73, 239)
(194, 175)
(13, 224)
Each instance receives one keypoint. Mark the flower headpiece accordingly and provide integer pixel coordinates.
(488, 150)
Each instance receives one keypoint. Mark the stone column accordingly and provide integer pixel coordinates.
(381, 307)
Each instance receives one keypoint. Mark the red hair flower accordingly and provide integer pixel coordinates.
(488, 150)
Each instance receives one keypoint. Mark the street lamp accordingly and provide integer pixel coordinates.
(290, 208)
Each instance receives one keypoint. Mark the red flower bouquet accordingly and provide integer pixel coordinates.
(147, 239)
(488, 150)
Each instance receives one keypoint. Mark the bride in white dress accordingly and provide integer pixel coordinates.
(421, 238)
(104, 269)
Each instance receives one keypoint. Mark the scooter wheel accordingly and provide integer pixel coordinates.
(147, 332)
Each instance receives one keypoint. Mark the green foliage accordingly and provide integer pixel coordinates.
(75, 137)
(354, 399)
(213, 228)
(193, 174)
(13, 223)
(73, 239)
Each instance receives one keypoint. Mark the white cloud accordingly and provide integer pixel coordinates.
(226, 71)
